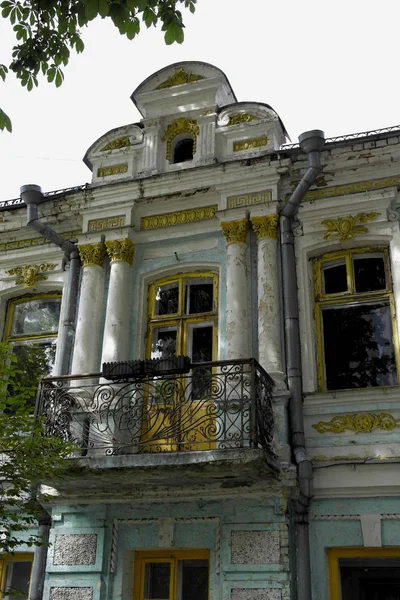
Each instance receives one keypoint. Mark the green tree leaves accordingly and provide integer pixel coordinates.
(47, 30)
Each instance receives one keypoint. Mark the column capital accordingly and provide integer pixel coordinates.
(265, 226)
(120, 250)
(235, 231)
(92, 255)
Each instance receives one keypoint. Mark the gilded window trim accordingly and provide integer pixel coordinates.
(350, 297)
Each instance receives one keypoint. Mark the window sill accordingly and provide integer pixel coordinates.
(369, 397)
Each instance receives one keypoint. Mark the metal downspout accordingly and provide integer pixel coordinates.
(32, 196)
(312, 143)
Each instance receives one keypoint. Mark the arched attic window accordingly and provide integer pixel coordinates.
(182, 149)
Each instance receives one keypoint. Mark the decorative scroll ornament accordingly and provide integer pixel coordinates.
(112, 170)
(265, 226)
(29, 275)
(360, 423)
(181, 217)
(181, 125)
(235, 231)
(241, 118)
(180, 77)
(122, 142)
(347, 227)
(120, 250)
(92, 255)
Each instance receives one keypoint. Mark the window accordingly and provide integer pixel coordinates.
(182, 150)
(15, 574)
(31, 330)
(171, 575)
(364, 573)
(356, 331)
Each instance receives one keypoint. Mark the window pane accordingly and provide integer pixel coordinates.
(163, 342)
(36, 316)
(369, 274)
(17, 579)
(358, 346)
(335, 276)
(201, 351)
(156, 580)
(199, 296)
(167, 299)
(193, 580)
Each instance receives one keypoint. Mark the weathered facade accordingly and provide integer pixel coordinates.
(190, 480)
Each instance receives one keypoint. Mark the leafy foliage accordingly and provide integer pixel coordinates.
(27, 456)
(47, 30)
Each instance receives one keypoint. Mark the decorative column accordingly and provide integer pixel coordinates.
(237, 306)
(269, 318)
(116, 328)
(88, 326)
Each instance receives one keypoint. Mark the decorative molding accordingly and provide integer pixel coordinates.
(29, 275)
(347, 227)
(360, 423)
(235, 231)
(112, 170)
(107, 223)
(352, 188)
(35, 241)
(180, 77)
(120, 250)
(265, 226)
(180, 217)
(122, 142)
(297, 226)
(181, 125)
(241, 118)
(250, 144)
(249, 199)
(92, 255)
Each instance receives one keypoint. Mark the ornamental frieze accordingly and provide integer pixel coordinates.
(241, 118)
(120, 250)
(249, 199)
(265, 226)
(347, 227)
(92, 255)
(235, 232)
(180, 217)
(360, 423)
(112, 170)
(29, 275)
(352, 188)
(250, 144)
(107, 223)
(122, 142)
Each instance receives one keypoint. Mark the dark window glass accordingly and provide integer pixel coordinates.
(35, 317)
(167, 299)
(183, 150)
(335, 278)
(202, 344)
(370, 583)
(369, 274)
(156, 581)
(163, 343)
(200, 297)
(17, 579)
(358, 346)
(194, 579)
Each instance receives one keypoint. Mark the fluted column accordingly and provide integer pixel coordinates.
(116, 328)
(237, 309)
(269, 313)
(88, 326)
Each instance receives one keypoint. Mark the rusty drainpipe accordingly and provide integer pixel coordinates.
(311, 142)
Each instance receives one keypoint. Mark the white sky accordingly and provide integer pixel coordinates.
(321, 64)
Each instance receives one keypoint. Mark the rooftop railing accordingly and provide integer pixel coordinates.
(215, 406)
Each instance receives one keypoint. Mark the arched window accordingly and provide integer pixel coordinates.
(182, 150)
(356, 329)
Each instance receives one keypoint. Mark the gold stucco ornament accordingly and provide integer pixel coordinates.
(180, 77)
(29, 275)
(120, 250)
(235, 231)
(122, 142)
(358, 422)
(265, 226)
(92, 255)
(181, 125)
(347, 227)
(241, 118)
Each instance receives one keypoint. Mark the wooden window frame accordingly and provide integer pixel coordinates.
(4, 560)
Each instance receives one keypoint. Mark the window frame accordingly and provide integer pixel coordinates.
(142, 557)
(19, 557)
(350, 297)
(10, 339)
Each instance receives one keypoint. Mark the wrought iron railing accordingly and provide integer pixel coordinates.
(217, 405)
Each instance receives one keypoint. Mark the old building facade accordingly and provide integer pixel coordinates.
(264, 465)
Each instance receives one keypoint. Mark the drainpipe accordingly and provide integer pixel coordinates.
(32, 196)
(311, 143)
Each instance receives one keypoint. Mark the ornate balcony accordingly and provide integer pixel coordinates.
(216, 406)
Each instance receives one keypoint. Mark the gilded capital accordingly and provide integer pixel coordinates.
(29, 275)
(92, 255)
(120, 250)
(265, 226)
(235, 231)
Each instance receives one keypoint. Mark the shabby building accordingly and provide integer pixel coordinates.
(216, 311)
